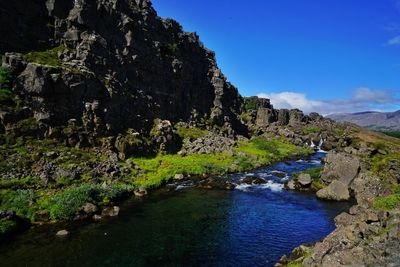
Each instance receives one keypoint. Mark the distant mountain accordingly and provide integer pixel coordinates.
(383, 121)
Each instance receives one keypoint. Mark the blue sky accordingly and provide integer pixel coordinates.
(328, 56)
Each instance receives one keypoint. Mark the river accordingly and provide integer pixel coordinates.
(249, 226)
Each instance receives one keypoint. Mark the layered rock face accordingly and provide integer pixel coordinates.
(117, 66)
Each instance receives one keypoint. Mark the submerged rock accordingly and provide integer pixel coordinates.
(110, 211)
(62, 233)
(253, 180)
(216, 183)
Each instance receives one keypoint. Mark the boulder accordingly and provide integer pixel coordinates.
(337, 191)
(253, 180)
(89, 208)
(179, 177)
(304, 180)
(340, 166)
(216, 183)
(291, 185)
(283, 117)
(42, 216)
(140, 192)
(265, 116)
(62, 233)
(110, 211)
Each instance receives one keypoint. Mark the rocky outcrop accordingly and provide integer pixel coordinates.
(339, 172)
(209, 144)
(340, 166)
(112, 76)
(337, 191)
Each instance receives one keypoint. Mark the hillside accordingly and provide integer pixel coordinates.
(380, 121)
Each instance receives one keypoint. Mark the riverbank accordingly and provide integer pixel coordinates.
(369, 234)
(86, 196)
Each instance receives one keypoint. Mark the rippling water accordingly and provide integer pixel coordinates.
(250, 226)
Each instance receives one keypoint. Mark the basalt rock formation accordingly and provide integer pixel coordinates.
(101, 68)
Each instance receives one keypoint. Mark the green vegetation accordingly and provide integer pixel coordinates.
(248, 155)
(387, 202)
(249, 105)
(20, 201)
(295, 265)
(7, 227)
(5, 78)
(61, 205)
(48, 57)
(392, 133)
(315, 174)
(191, 133)
(6, 96)
(310, 130)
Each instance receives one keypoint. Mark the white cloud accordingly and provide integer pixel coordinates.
(394, 41)
(290, 100)
(362, 99)
(365, 95)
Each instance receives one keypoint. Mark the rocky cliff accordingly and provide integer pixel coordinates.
(103, 67)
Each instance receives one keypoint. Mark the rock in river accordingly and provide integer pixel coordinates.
(335, 191)
(304, 180)
(110, 211)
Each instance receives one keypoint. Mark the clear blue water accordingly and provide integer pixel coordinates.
(250, 226)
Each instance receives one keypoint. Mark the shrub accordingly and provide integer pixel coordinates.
(249, 105)
(64, 205)
(20, 201)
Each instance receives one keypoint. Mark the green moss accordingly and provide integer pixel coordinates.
(155, 171)
(24, 183)
(295, 265)
(270, 150)
(191, 133)
(48, 57)
(27, 125)
(387, 202)
(7, 227)
(310, 130)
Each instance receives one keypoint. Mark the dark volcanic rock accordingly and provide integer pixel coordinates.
(113, 74)
(253, 180)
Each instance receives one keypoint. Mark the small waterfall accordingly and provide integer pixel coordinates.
(321, 142)
(312, 144)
